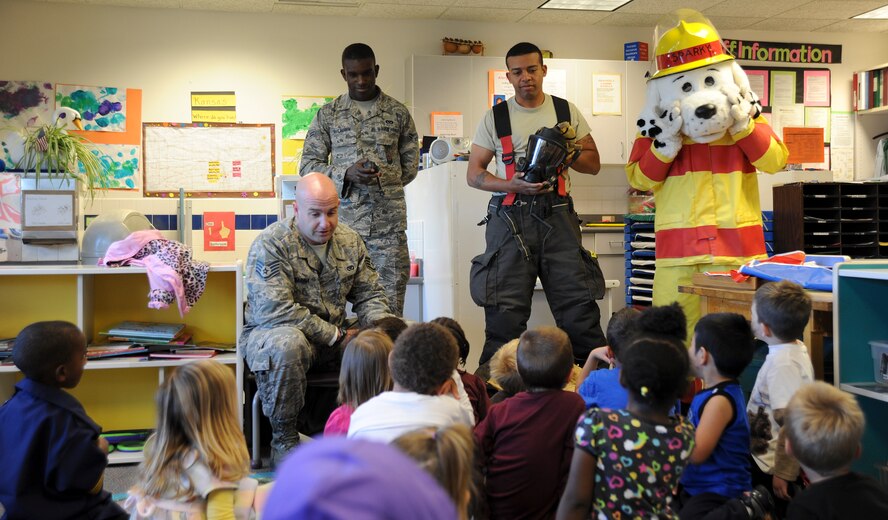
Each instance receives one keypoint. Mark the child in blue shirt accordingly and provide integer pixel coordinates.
(602, 388)
(717, 482)
(52, 458)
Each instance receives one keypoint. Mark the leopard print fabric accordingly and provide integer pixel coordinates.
(178, 256)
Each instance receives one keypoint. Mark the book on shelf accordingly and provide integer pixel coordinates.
(184, 353)
(116, 350)
(145, 329)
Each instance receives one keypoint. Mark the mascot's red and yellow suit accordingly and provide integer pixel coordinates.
(701, 139)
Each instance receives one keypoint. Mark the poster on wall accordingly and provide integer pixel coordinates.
(133, 133)
(447, 124)
(299, 112)
(213, 107)
(498, 87)
(121, 164)
(291, 150)
(606, 97)
(218, 231)
(102, 109)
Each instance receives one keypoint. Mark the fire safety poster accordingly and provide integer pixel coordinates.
(218, 227)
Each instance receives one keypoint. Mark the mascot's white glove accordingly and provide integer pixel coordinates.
(664, 127)
(662, 124)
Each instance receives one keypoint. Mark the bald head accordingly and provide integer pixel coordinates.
(316, 208)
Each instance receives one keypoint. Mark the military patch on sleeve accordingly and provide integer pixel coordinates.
(269, 270)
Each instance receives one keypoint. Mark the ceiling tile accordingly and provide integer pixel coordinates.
(856, 26)
(411, 2)
(723, 23)
(474, 14)
(664, 6)
(753, 8)
(618, 19)
(148, 4)
(314, 10)
(500, 4)
(562, 16)
(401, 11)
(832, 9)
(263, 6)
(794, 24)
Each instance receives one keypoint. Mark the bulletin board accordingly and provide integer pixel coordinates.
(795, 99)
(208, 159)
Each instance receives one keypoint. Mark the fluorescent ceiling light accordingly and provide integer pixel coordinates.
(321, 3)
(876, 14)
(585, 5)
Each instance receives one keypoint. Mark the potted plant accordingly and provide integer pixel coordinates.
(49, 150)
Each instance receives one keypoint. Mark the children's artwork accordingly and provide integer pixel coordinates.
(10, 201)
(291, 155)
(25, 103)
(299, 111)
(103, 109)
(120, 163)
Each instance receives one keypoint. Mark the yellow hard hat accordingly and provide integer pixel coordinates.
(686, 40)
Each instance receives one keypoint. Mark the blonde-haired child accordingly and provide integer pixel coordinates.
(196, 463)
(824, 426)
(364, 374)
(448, 454)
(504, 372)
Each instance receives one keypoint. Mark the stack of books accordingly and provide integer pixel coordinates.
(6, 349)
(139, 338)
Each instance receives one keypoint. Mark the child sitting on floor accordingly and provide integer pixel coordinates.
(424, 395)
(52, 458)
(196, 463)
(504, 377)
(474, 386)
(780, 311)
(448, 454)
(717, 484)
(525, 441)
(602, 388)
(363, 374)
(824, 426)
(628, 462)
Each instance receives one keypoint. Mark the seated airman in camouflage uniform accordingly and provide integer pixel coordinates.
(300, 273)
(367, 143)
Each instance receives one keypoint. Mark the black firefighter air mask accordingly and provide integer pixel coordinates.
(545, 156)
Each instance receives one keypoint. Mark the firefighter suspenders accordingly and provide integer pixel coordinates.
(504, 132)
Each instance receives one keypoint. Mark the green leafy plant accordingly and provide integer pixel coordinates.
(52, 151)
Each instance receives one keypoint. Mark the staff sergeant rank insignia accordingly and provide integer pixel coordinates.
(269, 270)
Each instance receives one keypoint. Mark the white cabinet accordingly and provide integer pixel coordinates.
(460, 84)
(119, 393)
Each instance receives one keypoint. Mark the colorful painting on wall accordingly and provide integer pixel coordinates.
(25, 103)
(299, 111)
(121, 163)
(103, 109)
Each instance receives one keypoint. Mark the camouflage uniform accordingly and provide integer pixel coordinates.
(295, 306)
(337, 138)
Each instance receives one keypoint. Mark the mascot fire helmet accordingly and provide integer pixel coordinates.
(686, 40)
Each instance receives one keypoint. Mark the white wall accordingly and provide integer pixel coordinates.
(169, 53)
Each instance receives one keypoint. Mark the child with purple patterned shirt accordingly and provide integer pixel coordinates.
(627, 462)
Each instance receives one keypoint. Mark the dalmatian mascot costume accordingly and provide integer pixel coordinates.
(701, 138)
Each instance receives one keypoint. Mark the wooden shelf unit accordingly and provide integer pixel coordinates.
(831, 218)
(95, 298)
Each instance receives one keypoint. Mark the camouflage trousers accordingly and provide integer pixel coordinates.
(280, 357)
(392, 261)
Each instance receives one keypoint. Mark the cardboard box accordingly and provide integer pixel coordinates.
(635, 51)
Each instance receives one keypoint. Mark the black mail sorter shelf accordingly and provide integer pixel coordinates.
(832, 218)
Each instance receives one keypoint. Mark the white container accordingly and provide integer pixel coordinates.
(880, 361)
